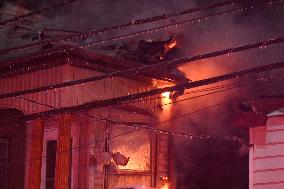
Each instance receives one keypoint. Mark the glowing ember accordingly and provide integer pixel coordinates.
(166, 95)
(170, 46)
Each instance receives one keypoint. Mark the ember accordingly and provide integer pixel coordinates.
(170, 46)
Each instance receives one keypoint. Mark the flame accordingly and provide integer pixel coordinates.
(165, 186)
(165, 183)
(166, 95)
(165, 100)
(166, 106)
(171, 45)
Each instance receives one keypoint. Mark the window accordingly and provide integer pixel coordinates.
(135, 145)
(4, 162)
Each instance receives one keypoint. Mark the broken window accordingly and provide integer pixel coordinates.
(135, 144)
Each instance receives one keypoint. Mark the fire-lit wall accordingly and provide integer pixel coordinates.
(267, 155)
(85, 172)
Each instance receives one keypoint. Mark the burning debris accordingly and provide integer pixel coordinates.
(152, 52)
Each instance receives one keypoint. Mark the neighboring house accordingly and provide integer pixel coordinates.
(265, 117)
(74, 150)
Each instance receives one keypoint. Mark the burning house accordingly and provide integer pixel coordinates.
(45, 146)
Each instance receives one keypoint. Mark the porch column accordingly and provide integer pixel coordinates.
(35, 160)
(63, 154)
(163, 161)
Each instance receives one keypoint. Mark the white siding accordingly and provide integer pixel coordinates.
(267, 155)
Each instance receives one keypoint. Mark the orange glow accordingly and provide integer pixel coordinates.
(165, 183)
(170, 45)
(166, 105)
(165, 186)
(165, 100)
(166, 94)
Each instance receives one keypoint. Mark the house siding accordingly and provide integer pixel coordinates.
(85, 130)
(267, 155)
(67, 96)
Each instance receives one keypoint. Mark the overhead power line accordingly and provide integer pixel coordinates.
(119, 100)
(146, 68)
(141, 127)
(39, 11)
(211, 90)
(137, 127)
(223, 87)
(134, 34)
(215, 89)
(112, 28)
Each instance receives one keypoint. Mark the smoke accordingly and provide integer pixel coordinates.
(264, 22)
(197, 162)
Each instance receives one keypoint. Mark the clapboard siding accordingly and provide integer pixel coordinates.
(275, 136)
(264, 164)
(32, 80)
(276, 122)
(68, 96)
(277, 185)
(269, 176)
(268, 150)
(275, 127)
(267, 170)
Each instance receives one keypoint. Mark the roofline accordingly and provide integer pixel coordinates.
(22, 64)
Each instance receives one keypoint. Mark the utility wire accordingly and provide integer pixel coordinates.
(225, 87)
(173, 118)
(178, 87)
(146, 68)
(119, 100)
(131, 23)
(135, 34)
(161, 131)
(39, 11)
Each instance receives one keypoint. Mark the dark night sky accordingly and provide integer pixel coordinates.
(200, 164)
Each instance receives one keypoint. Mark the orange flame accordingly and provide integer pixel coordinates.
(165, 184)
(166, 95)
(171, 45)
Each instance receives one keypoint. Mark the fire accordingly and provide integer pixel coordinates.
(170, 46)
(166, 95)
(165, 184)
(166, 106)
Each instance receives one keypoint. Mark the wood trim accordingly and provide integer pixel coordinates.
(34, 180)
(63, 151)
